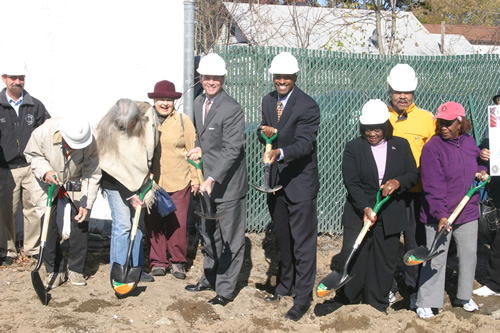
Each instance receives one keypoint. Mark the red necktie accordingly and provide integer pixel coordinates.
(207, 107)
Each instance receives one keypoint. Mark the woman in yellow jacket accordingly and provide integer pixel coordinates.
(168, 235)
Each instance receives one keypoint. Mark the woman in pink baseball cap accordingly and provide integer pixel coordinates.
(449, 165)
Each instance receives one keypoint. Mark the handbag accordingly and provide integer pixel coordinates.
(489, 218)
(164, 203)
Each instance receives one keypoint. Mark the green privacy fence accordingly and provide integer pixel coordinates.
(341, 83)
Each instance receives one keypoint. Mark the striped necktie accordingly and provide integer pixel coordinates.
(279, 110)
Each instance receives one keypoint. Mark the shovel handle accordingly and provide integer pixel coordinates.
(197, 166)
(380, 202)
(269, 145)
(46, 217)
(376, 208)
(465, 200)
(271, 139)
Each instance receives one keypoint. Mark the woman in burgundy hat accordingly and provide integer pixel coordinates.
(168, 235)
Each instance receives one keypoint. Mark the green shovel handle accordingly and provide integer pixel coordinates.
(141, 195)
(51, 193)
(196, 165)
(269, 140)
(475, 188)
(379, 202)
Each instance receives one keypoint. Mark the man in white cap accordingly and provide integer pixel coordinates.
(64, 152)
(20, 114)
(416, 126)
(220, 129)
(294, 165)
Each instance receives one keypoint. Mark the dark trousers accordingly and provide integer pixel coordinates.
(224, 245)
(295, 229)
(373, 266)
(493, 276)
(78, 244)
(169, 233)
(414, 236)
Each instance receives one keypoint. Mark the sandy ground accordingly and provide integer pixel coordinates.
(164, 305)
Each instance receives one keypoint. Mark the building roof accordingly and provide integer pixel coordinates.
(482, 35)
(343, 30)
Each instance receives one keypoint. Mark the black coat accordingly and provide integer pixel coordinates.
(361, 181)
(297, 132)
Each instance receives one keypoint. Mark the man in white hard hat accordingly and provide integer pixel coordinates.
(220, 129)
(65, 148)
(294, 164)
(417, 126)
(20, 114)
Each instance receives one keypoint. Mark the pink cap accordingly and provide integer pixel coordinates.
(450, 111)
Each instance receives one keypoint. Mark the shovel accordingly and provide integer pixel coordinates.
(267, 167)
(336, 279)
(124, 278)
(420, 254)
(206, 206)
(35, 276)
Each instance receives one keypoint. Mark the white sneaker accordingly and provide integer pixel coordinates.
(76, 279)
(413, 301)
(54, 280)
(425, 313)
(484, 291)
(471, 306)
(391, 297)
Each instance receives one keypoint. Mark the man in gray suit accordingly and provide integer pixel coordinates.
(220, 126)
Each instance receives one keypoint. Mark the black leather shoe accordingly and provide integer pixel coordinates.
(296, 312)
(197, 287)
(274, 298)
(219, 300)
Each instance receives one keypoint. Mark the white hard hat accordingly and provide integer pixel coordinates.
(284, 63)
(13, 66)
(76, 131)
(374, 112)
(212, 64)
(402, 78)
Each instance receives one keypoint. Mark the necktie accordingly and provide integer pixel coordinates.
(279, 110)
(207, 107)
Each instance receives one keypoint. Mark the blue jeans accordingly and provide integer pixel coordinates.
(122, 214)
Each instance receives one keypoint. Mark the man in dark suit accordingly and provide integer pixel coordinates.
(220, 126)
(294, 165)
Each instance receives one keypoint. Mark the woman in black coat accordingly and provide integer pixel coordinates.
(375, 160)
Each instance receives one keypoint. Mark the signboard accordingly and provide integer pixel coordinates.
(494, 135)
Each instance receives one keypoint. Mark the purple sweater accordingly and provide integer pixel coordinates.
(448, 168)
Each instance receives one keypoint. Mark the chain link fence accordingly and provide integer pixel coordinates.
(341, 83)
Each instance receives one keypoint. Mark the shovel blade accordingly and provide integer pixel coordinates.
(419, 255)
(333, 281)
(37, 282)
(266, 189)
(124, 279)
(215, 216)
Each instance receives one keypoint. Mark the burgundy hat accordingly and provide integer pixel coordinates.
(450, 111)
(165, 89)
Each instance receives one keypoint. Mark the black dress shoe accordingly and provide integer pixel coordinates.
(274, 298)
(197, 287)
(296, 312)
(219, 300)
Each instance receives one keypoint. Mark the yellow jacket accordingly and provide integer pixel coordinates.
(417, 128)
(170, 168)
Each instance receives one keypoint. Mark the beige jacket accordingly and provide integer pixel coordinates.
(45, 153)
(170, 168)
(131, 164)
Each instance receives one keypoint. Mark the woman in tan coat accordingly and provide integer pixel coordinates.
(168, 235)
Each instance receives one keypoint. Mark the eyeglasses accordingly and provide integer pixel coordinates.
(446, 123)
(16, 77)
(376, 130)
